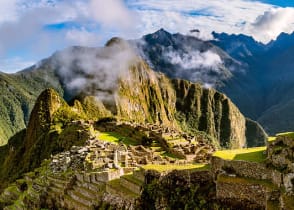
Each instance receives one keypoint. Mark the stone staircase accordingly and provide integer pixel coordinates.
(77, 192)
(32, 196)
(57, 185)
(128, 186)
(82, 191)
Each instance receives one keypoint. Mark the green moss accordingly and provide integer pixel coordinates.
(256, 154)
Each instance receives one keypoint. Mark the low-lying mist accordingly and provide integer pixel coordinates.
(94, 71)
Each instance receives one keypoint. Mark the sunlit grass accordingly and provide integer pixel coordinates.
(288, 134)
(244, 180)
(255, 154)
(115, 138)
(170, 167)
(271, 138)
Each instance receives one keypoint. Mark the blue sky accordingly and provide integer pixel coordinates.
(33, 29)
(282, 3)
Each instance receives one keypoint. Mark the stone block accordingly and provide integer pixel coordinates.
(277, 178)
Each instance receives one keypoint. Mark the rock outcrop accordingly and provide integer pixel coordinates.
(146, 96)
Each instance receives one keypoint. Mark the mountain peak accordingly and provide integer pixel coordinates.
(42, 114)
(161, 36)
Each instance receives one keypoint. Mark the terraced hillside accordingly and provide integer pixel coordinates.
(255, 178)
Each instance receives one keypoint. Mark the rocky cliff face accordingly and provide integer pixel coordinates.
(146, 96)
(210, 111)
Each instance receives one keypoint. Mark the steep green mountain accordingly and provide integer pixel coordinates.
(18, 94)
(182, 104)
(49, 131)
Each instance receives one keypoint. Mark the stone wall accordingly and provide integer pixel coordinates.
(228, 184)
(238, 189)
(178, 190)
(281, 157)
(241, 168)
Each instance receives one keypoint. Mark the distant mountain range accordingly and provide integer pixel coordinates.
(126, 87)
(257, 77)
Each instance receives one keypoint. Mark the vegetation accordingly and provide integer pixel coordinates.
(245, 180)
(256, 154)
(178, 190)
(287, 134)
(115, 184)
(115, 138)
(271, 138)
(18, 95)
(288, 201)
(131, 178)
(170, 167)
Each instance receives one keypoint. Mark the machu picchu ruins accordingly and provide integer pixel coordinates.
(117, 173)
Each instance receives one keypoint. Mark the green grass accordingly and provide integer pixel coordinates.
(287, 134)
(271, 138)
(115, 138)
(115, 184)
(170, 155)
(132, 179)
(170, 167)
(255, 154)
(244, 180)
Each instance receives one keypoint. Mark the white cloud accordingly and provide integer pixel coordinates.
(8, 10)
(194, 59)
(94, 70)
(207, 16)
(203, 35)
(111, 13)
(269, 25)
(22, 21)
(23, 24)
(82, 37)
(205, 67)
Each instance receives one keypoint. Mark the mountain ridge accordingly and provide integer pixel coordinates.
(143, 96)
(257, 81)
